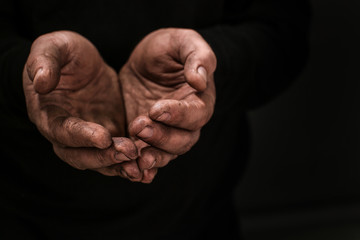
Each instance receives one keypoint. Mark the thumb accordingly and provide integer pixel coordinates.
(200, 62)
(47, 56)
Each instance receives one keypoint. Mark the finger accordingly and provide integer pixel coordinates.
(154, 158)
(131, 171)
(169, 139)
(125, 147)
(111, 171)
(149, 175)
(89, 158)
(199, 60)
(191, 113)
(115, 170)
(75, 132)
(48, 54)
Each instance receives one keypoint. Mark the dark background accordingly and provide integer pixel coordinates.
(303, 179)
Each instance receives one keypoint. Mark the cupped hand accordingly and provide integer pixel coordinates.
(74, 99)
(169, 95)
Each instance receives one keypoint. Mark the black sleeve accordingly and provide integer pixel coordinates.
(261, 46)
(14, 49)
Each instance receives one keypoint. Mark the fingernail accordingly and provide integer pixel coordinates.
(150, 160)
(153, 164)
(202, 71)
(120, 157)
(146, 132)
(124, 173)
(164, 117)
(134, 175)
(39, 71)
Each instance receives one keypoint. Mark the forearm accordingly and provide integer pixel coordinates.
(260, 50)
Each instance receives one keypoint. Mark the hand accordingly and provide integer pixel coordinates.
(74, 99)
(169, 95)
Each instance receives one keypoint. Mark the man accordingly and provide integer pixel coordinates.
(66, 109)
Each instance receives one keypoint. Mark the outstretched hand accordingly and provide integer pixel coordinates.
(74, 99)
(169, 95)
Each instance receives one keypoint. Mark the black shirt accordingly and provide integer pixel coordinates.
(260, 47)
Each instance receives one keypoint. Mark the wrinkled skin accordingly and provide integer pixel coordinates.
(169, 95)
(75, 100)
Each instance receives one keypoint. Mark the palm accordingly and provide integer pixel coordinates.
(142, 91)
(169, 94)
(87, 88)
(156, 70)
